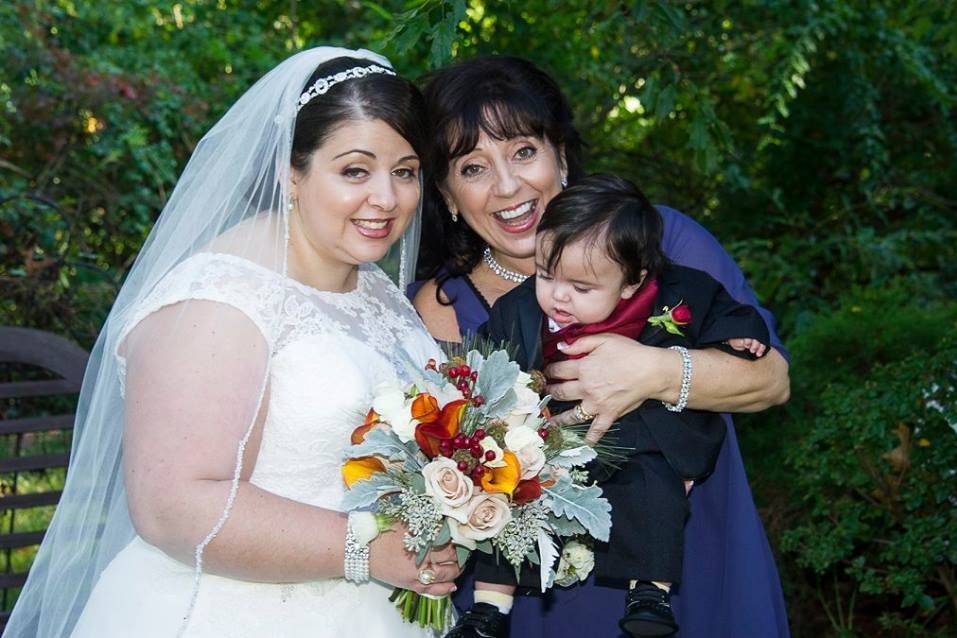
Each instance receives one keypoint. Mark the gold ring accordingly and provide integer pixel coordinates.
(581, 415)
(426, 576)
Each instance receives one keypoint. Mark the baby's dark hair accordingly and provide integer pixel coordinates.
(610, 210)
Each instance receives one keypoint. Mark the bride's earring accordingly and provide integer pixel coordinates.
(455, 215)
(564, 182)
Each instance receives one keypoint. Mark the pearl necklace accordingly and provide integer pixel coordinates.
(500, 270)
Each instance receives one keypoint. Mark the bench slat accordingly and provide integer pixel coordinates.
(21, 539)
(37, 424)
(19, 389)
(24, 501)
(37, 462)
(12, 580)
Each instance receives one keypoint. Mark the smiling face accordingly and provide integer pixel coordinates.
(584, 286)
(354, 200)
(501, 189)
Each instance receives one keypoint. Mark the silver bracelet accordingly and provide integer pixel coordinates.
(685, 381)
(356, 557)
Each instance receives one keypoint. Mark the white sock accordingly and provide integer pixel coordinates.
(496, 598)
(665, 586)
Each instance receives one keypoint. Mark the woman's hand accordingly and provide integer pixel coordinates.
(617, 375)
(390, 562)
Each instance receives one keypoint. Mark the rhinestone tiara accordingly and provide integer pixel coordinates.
(322, 85)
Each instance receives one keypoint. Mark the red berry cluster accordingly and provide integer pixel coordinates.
(468, 450)
(463, 377)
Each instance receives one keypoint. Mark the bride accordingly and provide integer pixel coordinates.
(204, 491)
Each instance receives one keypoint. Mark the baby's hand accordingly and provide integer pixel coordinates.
(753, 345)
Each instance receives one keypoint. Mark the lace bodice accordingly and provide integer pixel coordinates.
(328, 353)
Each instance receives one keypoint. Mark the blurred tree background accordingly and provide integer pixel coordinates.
(816, 139)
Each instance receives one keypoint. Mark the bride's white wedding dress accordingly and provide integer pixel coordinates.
(329, 352)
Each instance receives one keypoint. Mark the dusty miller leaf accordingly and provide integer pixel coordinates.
(584, 504)
(367, 491)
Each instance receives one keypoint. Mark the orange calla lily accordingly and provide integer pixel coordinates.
(355, 470)
(359, 434)
(425, 408)
(445, 426)
(503, 479)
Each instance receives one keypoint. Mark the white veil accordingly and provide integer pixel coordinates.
(231, 198)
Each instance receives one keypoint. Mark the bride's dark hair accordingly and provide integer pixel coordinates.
(377, 96)
(504, 97)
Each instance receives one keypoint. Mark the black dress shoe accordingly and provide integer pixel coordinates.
(648, 612)
(481, 621)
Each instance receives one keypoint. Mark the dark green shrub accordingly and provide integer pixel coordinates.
(873, 464)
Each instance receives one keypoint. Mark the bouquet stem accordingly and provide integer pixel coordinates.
(423, 610)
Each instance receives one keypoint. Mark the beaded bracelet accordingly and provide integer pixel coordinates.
(356, 556)
(685, 381)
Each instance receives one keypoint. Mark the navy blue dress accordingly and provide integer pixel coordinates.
(730, 586)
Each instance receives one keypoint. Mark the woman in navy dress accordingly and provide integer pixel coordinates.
(505, 145)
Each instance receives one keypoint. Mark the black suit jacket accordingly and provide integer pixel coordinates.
(690, 440)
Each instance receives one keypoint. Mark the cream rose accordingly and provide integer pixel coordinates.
(481, 518)
(525, 412)
(446, 484)
(527, 446)
(532, 460)
(522, 436)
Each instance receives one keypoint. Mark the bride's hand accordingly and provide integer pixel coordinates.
(391, 563)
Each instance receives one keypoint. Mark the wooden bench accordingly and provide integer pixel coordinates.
(40, 374)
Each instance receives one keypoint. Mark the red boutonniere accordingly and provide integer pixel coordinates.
(672, 319)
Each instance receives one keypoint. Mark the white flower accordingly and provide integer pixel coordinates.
(481, 518)
(525, 411)
(446, 484)
(393, 408)
(532, 460)
(575, 564)
(517, 438)
(527, 446)
(489, 443)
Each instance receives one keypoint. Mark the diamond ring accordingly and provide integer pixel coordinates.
(426, 576)
(581, 415)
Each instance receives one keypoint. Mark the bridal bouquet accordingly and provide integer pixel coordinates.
(465, 455)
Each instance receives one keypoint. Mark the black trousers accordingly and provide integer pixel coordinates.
(649, 512)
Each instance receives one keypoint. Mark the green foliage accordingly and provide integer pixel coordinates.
(875, 470)
(861, 495)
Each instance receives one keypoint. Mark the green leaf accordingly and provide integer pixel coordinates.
(379, 9)
(367, 491)
(496, 379)
(665, 103)
(565, 526)
(379, 443)
(444, 535)
(672, 15)
(584, 504)
(575, 457)
(699, 137)
(407, 35)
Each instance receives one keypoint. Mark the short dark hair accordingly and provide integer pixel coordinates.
(505, 97)
(377, 96)
(609, 210)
